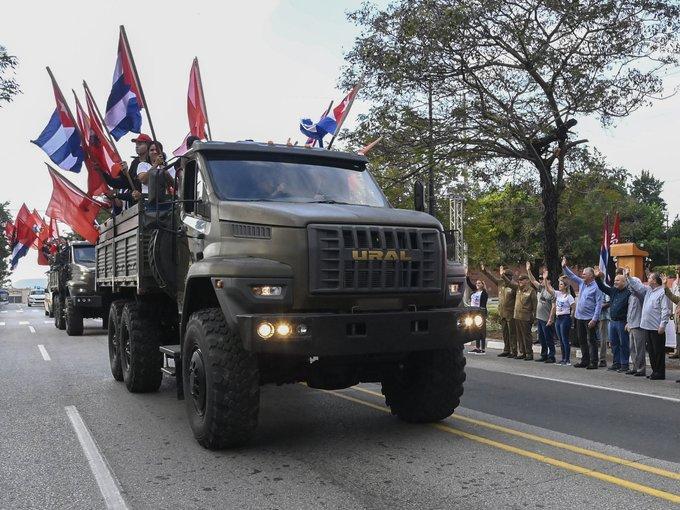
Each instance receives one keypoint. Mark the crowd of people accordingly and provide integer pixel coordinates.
(629, 316)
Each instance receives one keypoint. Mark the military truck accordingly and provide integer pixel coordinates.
(71, 288)
(274, 265)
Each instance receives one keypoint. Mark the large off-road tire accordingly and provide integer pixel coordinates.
(59, 321)
(141, 361)
(427, 387)
(74, 318)
(221, 382)
(115, 312)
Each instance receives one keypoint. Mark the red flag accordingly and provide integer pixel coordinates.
(38, 223)
(341, 111)
(54, 229)
(25, 221)
(614, 235)
(10, 231)
(196, 110)
(103, 149)
(96, 185)
(43, 238)
(70, 205)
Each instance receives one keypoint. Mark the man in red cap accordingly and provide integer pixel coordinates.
(131, 194)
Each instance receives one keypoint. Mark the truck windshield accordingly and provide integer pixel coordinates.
(301, 182)
(83, 255)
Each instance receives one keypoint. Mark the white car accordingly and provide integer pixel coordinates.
(36, 297)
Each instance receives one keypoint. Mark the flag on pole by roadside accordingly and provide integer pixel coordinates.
(614, 237)
(70, 205)
(604, 250)
(24, 235)
(125, 102)
(197, 112)
(61, 139)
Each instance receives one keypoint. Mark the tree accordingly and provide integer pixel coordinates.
(509, 78)
(4, 245)
(647, 189)
(8, 86)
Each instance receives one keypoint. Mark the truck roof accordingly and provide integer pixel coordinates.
(344, 158)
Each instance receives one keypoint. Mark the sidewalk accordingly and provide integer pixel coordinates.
(575, 352)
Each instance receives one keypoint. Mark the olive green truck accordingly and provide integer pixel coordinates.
(275, 264)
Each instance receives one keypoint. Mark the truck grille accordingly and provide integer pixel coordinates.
(358, 258)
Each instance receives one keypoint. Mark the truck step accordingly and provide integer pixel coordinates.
(173, 352)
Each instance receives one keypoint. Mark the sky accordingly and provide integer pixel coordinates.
(264, 63)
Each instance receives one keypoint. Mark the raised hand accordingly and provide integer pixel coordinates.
(664, 278)
(528, 266)
(501, 269)
(545, 274)
(626, 272)
(597, 272)
(482, 266)
(564, 261)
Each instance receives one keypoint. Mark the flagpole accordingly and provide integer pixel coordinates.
(88, 95)
(355, 89)
(205, 108)
(137, 80)
(55, 85)
(324, 114)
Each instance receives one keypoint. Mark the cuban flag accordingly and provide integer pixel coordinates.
(60, 139)
(24, 235)
(124, 106)
(604, 251)
(317, 130)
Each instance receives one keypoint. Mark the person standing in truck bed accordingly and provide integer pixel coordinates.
(506, 310)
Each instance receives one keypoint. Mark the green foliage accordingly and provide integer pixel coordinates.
(4, 245)
(647, 188)
(8, 86)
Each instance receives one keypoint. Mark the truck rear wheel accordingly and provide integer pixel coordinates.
(59, 321)
(427, 387)
(115, 312)
(141, 361)
(221, 382)
(74, 318)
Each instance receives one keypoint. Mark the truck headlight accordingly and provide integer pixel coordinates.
(479, 321)
(265, 330)
(468, 321)
(283, 329)
(267, 290)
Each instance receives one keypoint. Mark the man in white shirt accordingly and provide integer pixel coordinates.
(656, 312)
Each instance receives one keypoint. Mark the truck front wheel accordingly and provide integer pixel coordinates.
(115, 312)
(59, 322)
(221, 382)
(427, 386)
(74, 318)
(141, 361)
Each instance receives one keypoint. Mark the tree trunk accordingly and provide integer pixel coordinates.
(550, 196)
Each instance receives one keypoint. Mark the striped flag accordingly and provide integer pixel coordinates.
(125, 103)
(61, 139)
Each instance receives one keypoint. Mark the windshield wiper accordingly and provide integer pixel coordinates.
(328, 202)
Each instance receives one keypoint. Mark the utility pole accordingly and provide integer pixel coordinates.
(430, 156)
(668, 249)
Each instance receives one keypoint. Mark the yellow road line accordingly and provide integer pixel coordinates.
(644, 489)
(557, 444)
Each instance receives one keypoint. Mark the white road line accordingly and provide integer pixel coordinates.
(23, 323)
(44, 353)
(31, 329)
(3, 311)
(618, 390)
(48, 322)
(98, 465)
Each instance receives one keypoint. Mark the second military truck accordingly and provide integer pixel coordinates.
(71, 295)
(275, 265)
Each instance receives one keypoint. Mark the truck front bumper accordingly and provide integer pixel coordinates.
(364, 333)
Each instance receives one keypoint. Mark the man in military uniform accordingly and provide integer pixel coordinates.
(506, 309)
(524, 313)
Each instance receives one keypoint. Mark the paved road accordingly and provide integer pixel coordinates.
(516, 442)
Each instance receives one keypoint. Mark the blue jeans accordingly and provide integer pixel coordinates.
(620, 342)
(563, 325)
(546, 335)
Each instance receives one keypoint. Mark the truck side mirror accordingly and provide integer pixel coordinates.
(419, 196)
